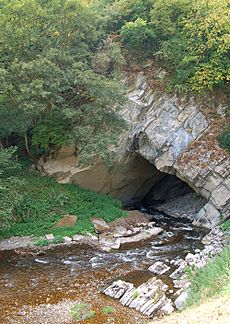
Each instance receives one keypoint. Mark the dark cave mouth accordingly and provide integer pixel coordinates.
(166, 193)
(174, 197)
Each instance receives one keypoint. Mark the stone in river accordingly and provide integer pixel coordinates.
(142, 236)
(181, 300)
(149, 298)
(67, 239)
(106, 240)
(159, 268)
(120, 231)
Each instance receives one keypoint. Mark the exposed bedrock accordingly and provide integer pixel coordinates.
(167, 134)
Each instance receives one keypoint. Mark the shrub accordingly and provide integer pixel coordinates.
(42, 242)
(44, 202)
(138, 37)
(10, 184)
(224, 139)
(58, 239)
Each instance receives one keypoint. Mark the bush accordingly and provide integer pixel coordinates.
(138, 37)
(224, 139)
(58, 239)
(10, 184)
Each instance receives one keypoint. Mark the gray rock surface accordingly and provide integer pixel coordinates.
(167, 134)
(149, 298)
(159, 268)
(100, 225)
(142, 236)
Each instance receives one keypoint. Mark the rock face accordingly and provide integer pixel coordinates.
(149, 298)
(167, 134)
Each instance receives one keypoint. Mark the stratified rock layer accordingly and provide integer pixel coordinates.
(167, 134)
(149, 298)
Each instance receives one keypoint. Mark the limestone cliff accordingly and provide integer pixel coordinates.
(167, 134)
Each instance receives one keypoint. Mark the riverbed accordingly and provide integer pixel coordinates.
(30, 284)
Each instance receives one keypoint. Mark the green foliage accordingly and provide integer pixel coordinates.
(50, 90)
(138, 37)
(135, 294)
(108, 310)
(58, 239)
(81, 312)
(190, 37)
(224, 139)
(10, 185)
(195, 46)
(117, 13)
(210, 280)
(207, 31)
(44, 202)
(41, 242)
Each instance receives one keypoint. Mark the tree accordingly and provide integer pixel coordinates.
(138, 37)
(207, 31)
(10, 183)
(48, 82)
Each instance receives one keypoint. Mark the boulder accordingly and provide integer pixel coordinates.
(67, 239)
(159, 268)
(179, 272)
(181, 299)
(67, 221)
(77, 237)
(135, 218)
(108, 241)
(149, 298)
(49, 237)
(142, 236)
(118, 288)
(120, 231)
(100, 225)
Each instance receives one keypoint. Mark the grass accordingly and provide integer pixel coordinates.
(211, 280)
(108, 310)
(81, 312)
(41, 242)
(45, 202)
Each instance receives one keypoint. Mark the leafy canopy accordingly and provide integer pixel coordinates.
(190, 37)
(51, 93)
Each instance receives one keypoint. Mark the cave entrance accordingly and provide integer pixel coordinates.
(174, 197)
(164, 193)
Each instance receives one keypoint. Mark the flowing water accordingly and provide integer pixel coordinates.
(78, 272)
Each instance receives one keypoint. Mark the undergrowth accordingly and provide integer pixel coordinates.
(44, 202)
(211, 280)
(81, 312)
